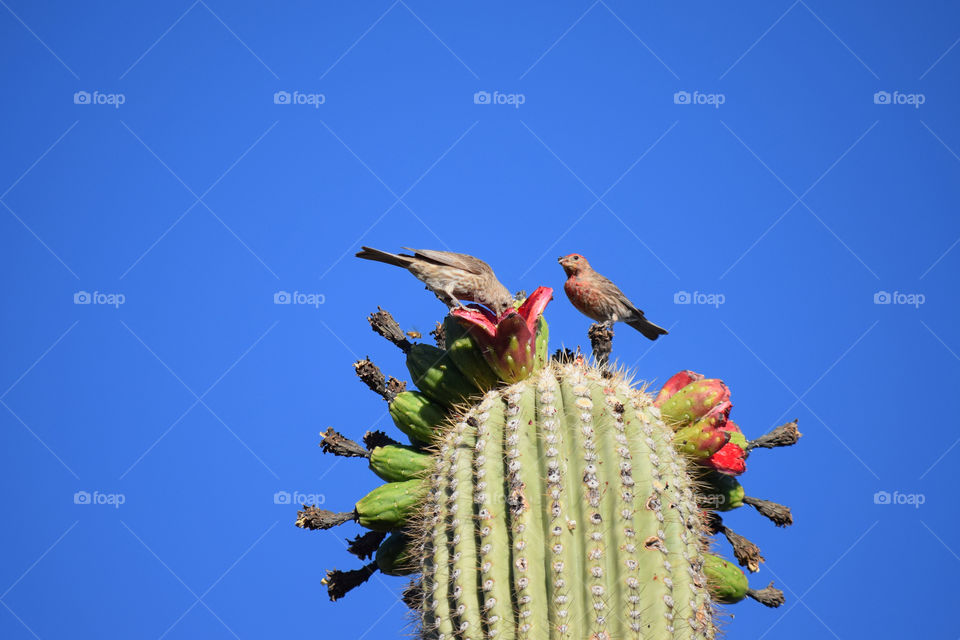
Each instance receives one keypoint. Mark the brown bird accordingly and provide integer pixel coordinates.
(601, 300)
(451, 276)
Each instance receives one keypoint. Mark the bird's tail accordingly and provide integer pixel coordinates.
(647, 328)
(382, 256)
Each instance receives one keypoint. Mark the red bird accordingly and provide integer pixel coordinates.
(601, 300)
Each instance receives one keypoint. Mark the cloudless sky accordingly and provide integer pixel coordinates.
(792, 164)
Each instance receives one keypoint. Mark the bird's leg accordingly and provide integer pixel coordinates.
(447, 298)
(453, 301)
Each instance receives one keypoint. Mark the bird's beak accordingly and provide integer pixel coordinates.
(560, 259)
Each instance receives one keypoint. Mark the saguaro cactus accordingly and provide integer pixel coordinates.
(549, 499)
(558, 507)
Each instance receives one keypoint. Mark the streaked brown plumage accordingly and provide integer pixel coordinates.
(451, 276)
(599, 299)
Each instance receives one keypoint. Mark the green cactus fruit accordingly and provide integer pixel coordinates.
(676, 382)
(731, 459)
(736, 435)
(695, 400)
(394, 556)
(727, 583)
(417, 416)
(566, 493)
(466, 354)
(704, 437)
(396, 463)
(719, 491)
(390, 506)
(436, 376)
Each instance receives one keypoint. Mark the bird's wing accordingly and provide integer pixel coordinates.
(458, 260)
(613, 292)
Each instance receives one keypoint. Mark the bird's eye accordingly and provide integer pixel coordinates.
(576, 257)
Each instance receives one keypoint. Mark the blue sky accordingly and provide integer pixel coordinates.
(795, 164)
